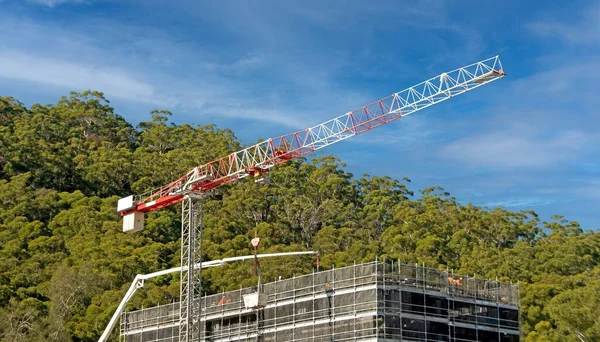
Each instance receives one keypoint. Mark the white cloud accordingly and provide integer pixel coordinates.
(517, 148)
(242, 64)
(584, 31)
(74, 76)
(541, 120)
(54, 3)
(587, 188)
(64, 59)
(580, 187)
(258, 114)
(521, 202)
(274, 71)
(118, 84)
(573, 83)
(403, 133)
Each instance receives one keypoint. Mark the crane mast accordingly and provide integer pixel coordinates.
(258, 159)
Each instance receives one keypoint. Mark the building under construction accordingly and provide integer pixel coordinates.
(377, 301)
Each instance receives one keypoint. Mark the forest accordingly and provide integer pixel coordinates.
(65, 263)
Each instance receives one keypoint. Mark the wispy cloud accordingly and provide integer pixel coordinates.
(54, 3)
(521, 202)
(68, 75)
(404, 133)
(242, 64)
(286, 119)
(517, 149)
(69, 59)
(283, 64)
(570, 84)
(118, 84)
(545, 119)
(588, 188)
(585, 30)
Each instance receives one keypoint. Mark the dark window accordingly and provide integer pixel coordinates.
(436, 306)
(229, 326)
(413, 328)
(485, 335)
(463, 312)
(392, 300)
(509, 318)
(413, 302)
(487, 315)
(464, 334)
(509, 338)
(437, 331)
(392, 327)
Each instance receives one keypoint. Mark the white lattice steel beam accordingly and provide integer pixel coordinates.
(259, 158)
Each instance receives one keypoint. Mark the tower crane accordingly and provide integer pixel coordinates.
(258, 159)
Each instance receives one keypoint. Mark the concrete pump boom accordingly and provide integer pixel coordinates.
(138, 281)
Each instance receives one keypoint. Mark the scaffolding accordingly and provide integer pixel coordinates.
(376, 301)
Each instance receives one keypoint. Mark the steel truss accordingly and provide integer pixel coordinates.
(191, 278)
(259, 158)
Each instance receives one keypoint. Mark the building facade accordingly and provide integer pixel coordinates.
(377, 301)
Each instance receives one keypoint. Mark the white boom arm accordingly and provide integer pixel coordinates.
(138, 282)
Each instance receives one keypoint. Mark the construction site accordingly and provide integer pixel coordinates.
(376, 301)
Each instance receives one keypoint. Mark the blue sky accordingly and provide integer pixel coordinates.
(265, 68)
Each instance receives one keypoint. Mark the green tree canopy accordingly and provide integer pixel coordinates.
(65, 264)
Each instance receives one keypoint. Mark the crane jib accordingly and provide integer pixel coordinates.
(260, 158)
